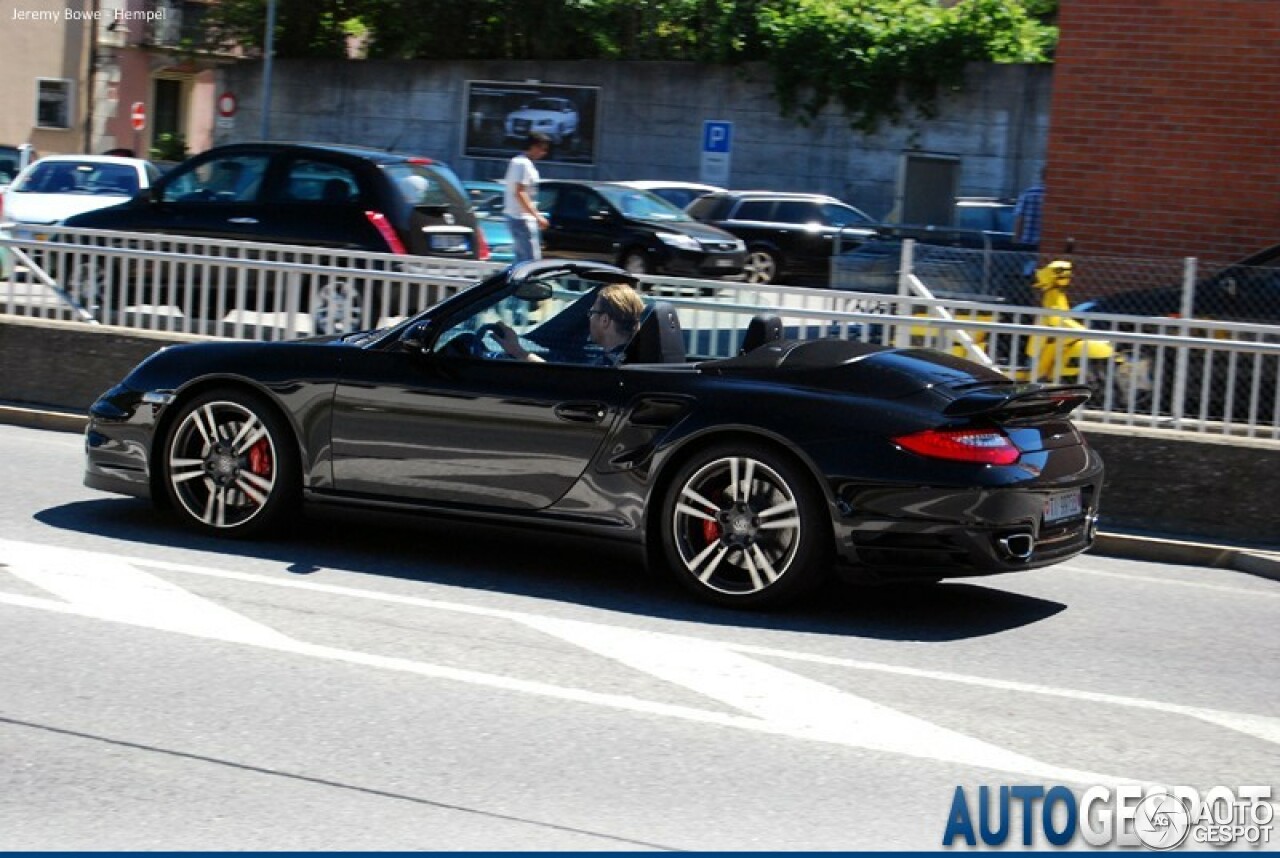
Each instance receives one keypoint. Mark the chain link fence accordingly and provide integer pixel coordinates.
(1125, 297)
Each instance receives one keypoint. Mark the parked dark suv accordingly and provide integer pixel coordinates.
(634, 229)
(311, 194)
(789, 237)
(314, 194)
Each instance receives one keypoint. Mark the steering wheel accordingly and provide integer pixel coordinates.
(480, 350)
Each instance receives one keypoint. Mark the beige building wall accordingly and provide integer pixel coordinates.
(50, 40)
(40, 41)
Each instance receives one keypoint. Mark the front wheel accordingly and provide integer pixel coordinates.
(229, 464)
(743, 526)
(762, 266)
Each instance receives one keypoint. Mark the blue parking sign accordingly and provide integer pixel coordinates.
(717, 136)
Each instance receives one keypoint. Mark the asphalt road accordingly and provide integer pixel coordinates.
(406, 684)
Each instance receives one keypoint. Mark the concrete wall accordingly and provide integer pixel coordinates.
(650, 122)
(1217, 490)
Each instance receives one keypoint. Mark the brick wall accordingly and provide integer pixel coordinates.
(1164, 135)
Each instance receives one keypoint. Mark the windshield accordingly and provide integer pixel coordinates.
(79, 177)
(546, 104)
(550, 315)
(424, 185)
(641, 205)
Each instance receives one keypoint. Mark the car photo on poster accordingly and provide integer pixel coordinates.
(500, 116)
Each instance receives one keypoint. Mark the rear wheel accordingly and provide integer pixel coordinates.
(336, 309)
(744, 526)
(635, 262)
(1129, 381)
(762, 266)
(88, 286)
(229, 464)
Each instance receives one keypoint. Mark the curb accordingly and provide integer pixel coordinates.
(1154, 549)
(41, 418)
(1158, 549)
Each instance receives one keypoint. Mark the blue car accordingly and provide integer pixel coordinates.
(486, 199)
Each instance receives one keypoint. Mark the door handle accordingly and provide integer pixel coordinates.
(242, 220)
(582, 412)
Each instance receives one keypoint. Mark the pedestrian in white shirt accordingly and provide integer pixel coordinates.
(520, 198)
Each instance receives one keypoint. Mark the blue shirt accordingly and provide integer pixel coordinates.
(1027, 213)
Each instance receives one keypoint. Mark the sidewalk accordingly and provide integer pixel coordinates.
(1130, 546)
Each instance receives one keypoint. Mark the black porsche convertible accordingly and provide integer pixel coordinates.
(752, 478)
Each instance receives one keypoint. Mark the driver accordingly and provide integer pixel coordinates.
(611, 322)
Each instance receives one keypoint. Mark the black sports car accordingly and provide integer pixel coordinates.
(751, 478)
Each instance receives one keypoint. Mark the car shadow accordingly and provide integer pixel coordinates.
(587, 571)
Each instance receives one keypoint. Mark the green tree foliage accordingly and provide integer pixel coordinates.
(872, 57)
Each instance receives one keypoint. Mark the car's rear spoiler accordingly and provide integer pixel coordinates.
(1022, 401)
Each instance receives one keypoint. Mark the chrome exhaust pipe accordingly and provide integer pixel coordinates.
(1017, 546)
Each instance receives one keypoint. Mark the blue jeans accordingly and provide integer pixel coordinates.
(524, 235)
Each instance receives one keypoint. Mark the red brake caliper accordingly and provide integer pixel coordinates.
(710, 531)
(260, 458)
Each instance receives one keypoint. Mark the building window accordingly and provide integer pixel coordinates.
(53, 103)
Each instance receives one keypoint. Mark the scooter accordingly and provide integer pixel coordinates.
(1069, 359)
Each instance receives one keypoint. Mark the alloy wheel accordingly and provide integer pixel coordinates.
(761, 267)
(737, 526)
(224, 466)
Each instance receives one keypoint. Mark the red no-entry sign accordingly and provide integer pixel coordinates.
(138, 115)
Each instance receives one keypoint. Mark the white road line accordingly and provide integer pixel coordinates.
(1248, 593)
(1263, 727)
(801, 706)
(109, 588)
(782, 703)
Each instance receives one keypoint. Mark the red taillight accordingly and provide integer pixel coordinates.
(482, 245)
(985, 446)
(383, 226)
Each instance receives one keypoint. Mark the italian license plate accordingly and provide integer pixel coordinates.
(1062, 505)
(448, 242)
(724, 263)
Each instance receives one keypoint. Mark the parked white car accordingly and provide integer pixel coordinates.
(555, 117)
(679, 194)
(59, 186)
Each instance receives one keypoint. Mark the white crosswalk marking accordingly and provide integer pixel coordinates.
(802, 706)
(109, 588)
(768, 699)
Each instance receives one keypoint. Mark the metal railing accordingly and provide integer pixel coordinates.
(218, 287)
(1208, 377)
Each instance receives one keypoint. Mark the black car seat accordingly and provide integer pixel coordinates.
(336, 191)
(572, 204)
(659, 339)
(61, 182)
(761, 330)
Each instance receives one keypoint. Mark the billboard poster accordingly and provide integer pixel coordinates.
(499, 115)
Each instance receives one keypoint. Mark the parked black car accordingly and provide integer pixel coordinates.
(789, 237)
(309, 194)
(315, 194)
(1245, 291)
(635, 229)
(751, 478)
(1216, 386)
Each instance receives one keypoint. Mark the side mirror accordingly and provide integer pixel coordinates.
(416, 337)
(534, 291)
